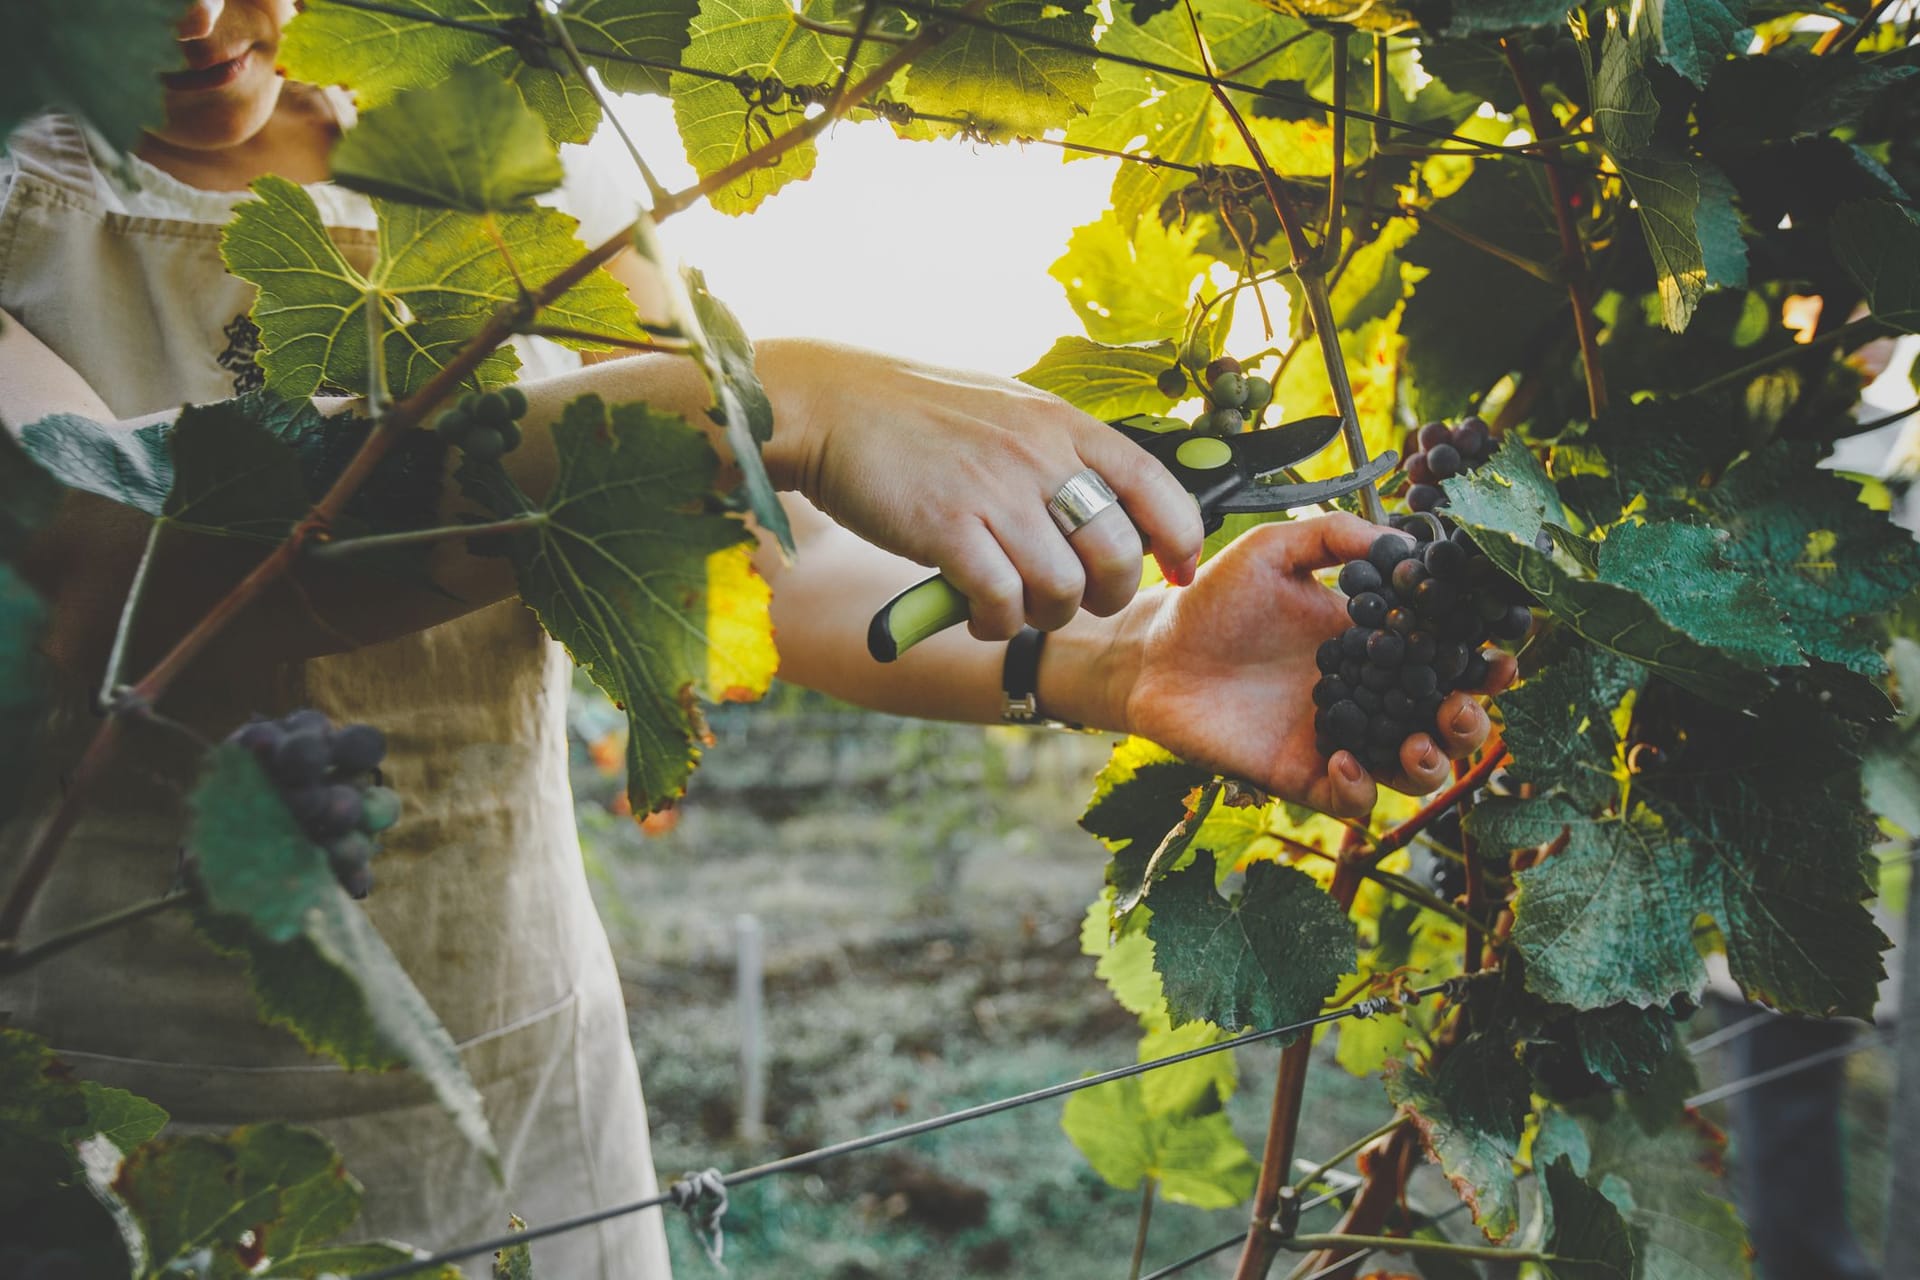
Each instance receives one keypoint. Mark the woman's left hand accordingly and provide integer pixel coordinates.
(1226, 668)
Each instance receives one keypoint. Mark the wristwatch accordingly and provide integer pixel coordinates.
(1020, 683)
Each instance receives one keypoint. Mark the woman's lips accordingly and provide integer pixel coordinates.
(215, 76)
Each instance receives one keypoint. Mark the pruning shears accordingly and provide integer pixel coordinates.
(1227, 475)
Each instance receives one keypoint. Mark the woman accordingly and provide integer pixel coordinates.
(118, 307)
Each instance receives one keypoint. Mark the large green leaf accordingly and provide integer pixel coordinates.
(1588, 1239)
(1695, 35)
(1196, 1160)
(379, 54)
(100, 59)
(257, 869)
(1186, 1088)
(439, 269)
(1559, 724)
(134, 468)
(1471, 1111)
(1130, 286)
(1138, 797)
(467, 143)
(756, 39)
(1003, 80)
(40, 1106)
(1174, 115)
(1668, 1185)
(1609, 918)
(1268, 957)
(1107, 382)
(1878, 242)
(1473, 318)
(655, 598)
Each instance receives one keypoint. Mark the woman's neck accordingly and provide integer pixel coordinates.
(293, 144)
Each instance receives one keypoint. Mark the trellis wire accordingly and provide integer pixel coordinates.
(1734, 1088)
(1175, 1268)
(1363, 1009)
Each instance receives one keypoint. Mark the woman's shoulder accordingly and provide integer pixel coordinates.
(52, 148)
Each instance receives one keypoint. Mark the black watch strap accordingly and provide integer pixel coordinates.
(1020, 681)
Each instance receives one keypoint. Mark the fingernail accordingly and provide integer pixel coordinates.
(1463, 719)
(1349, 768)
(1187, 571)
(1430, 758)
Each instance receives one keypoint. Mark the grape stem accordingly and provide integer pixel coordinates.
(123, 634)
(1494, 754)
(1147, 1188)
(329, 549)
(1403, 1244)
(1351, 1149)
(1573, 254)
(1389, 880)
(14, 960)
(663, 346)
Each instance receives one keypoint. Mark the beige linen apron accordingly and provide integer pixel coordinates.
(480, 891)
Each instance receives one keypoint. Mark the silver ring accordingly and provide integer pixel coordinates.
(1084, 496)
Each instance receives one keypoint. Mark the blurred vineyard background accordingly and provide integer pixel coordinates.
(920, 888)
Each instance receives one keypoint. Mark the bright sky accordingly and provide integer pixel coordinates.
(937, 250)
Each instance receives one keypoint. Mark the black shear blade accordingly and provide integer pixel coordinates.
(1267, 452)
(1280, 497)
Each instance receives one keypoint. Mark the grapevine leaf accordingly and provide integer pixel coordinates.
(1668, 1184)
(1128, 970)
(755, 39)
(655, 599)
(1623, 1044)
(515, 1262)
(1185, 1088)
(1589, 1240)
(99, 59)
(1173, 115)
(1000, 78)
(200, 1192)
(231, 476)
(1474, 318)
(1832, 562)
(40, 1106)
(124, 1119)
(1499, 16)
(297, 987)
(351, 1260)
(1196, 1160)
(1682, 570)
(1695, 35)
(23, 615)
(1270, 956)
(134, 468)
(441, 268)
(1609, 918)
(1139, 796)
(1470, 1112)
(1130, 288)
(257, 868)
(1878, 243)
(1107, 382)
(1559, 724)
(729, 347)
(1510, 494)
(380, 54)
(467, 143)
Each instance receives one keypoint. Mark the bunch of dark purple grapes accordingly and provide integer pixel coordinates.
(329, 777)
(1438, 452)
(1422, 609)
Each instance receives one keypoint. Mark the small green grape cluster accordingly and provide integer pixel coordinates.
(1235, 398)
(482, 423)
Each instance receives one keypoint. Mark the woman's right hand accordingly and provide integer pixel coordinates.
(954, 469)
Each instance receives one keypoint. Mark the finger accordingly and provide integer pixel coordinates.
(978, 566)
(1329, 540)
(1423, 766)
(1502, 670)
(1463, 725)
(1344, 790)
(1159, 505)
(1052, 578)
(1110, 551)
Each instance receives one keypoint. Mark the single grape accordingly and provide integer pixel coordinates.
(1382, 762)
(1385, 649)
(1515, 625)
(1351, 670)
(1418, 682)
(1225, 364)
(1196, 353)
(1474, 675)
(1358, 576)
(358, 883)
(484, 444)
(1444, 461)
(1369, 700)
(1329, 690)
(1487, 606)
(1435, 597)
(379, 808)
(1422, 647)
(1418, 471)
(1396, 703)
(1386, 731)
(1229, 390)
(1388, 550)
(305, 718)
(339, 813)
(491, 408)
(357, 748)
(1402, 621)
(1226, 422)
(1259, 394)
(1471, 438)
(1446, 559)
(1347, 724)
(260, 737)
(467, 402)
(1377, 678)
(510, 434)
(1434, 433)
(307, 804)
(349, 851)
(1368, 609)
(302, 757)
(516, 401)
(1354, 641)
(1172, 382)
(1543, 542)
(1407, 575)
(1329, 656)
(1425, 497)
(1426, 708)
(452, 425)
